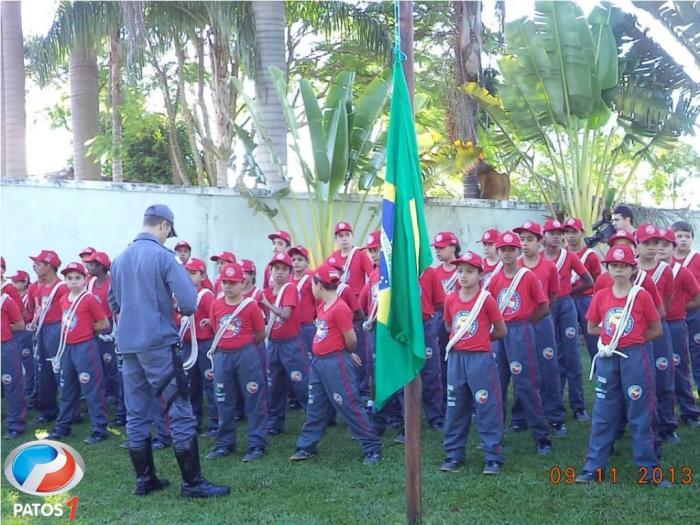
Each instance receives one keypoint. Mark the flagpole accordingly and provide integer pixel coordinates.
(413, 390)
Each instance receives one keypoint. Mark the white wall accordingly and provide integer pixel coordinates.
(68, 215)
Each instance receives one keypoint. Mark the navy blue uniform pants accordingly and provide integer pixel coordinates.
(582, 303)
(515, 357)
(570, 367)
(681, 364)
(239, 371)
(623, 385)
(472, 380)
(665, 417)
(333, 386)
(81, 373)
(13, 384)
(287, 365)
(46, 381)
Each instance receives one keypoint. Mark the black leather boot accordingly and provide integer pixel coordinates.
(146, 479)
(193, 484)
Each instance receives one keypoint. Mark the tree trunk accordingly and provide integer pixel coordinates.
(467, 68)
(270, 25)
(84, 105)
(115, 45)
(14, 132)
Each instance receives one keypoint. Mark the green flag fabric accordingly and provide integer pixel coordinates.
(405, 253)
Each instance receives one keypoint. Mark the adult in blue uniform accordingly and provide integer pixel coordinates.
(146, 281)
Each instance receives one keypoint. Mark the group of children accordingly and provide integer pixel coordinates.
(513, 313)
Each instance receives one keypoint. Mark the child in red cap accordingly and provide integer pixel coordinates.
(44, 304)
(573, 231)
(491, 261)
(281, 242)
(625, 318)
(12, 379)
(287, 361)
(332, 385)
(473, 320)
(685, 300)
(199, 372)
(238, 366)
(523, 304)
(78, 359)
(302, 279)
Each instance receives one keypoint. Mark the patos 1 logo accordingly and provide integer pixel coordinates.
(44, 468)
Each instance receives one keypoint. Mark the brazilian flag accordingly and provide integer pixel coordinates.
(400, 350)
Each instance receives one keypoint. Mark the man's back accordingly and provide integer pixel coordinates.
(144, 278)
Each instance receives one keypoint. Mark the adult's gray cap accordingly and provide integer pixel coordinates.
(162, 211)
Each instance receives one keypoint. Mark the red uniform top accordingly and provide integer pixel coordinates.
(685, 289)
(306, 304)
(40, 296)
(693, 265)
(11, 290)
(478, 337)
(546, 272)
(284, 329)
(664, 285)
(571, 264)
(10, 315)
(218, 290)
(255, 293)
(360, 267)
(592, 264)
(27, 313)
(368, 295)
(607, 309)
(605, 281)
(87, 314)
(348, 298)
(330, 326)
(267, 277)
(101, 293)
(487, 266)
(206, 283)
(242, 329)
(444, 277)
(431, 293)
(525, 299)
(28, 301)
(202, 321)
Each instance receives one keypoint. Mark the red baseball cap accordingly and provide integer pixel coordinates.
(647, 231)
(231, 272)
(88, 250)
(196, 265)
(575, 224)
(444, 239)
(100, 257)
(47, 256)
(469, 257)
(224, 256)
(621, 254)
(490, 236)
(551, 225)
(74, 267)
(668, 235)
(373, 239)
(183, 244)
(327, 274)
(281, 234)
(21, 275)
(343, 227)
(622, 235)
(334, 263)
(281, 258)
(299, 250)
(508, 238)
(531, 227)
(248, 266)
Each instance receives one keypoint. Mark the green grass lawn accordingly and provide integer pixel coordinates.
(334, 487)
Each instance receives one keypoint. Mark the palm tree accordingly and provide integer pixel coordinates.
(269, 42)
(77, 32)
(14, 157)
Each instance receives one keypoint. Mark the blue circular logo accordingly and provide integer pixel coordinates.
(460, 319)
(44, 468)
(513, 305)
(613, 318)
(234, 327)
